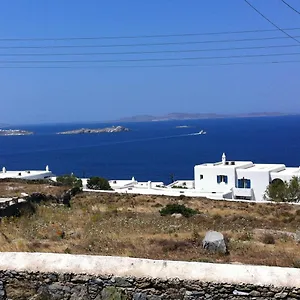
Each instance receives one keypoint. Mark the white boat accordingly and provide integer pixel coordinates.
(200, 132)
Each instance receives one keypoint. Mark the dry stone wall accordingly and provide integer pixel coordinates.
(48, 286)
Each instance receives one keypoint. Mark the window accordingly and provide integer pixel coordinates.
(244, 183)
(222, 178)
(201, 177)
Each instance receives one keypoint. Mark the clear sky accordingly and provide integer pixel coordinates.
(88, 91)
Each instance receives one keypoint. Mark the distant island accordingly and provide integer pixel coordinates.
(197, 116)
(9, 132)
(97, 130)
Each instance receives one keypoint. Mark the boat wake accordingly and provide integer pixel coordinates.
(198, 133)
(101, 144)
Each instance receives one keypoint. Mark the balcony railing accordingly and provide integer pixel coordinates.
(242, 192)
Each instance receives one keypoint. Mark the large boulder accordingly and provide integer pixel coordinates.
(214, 241)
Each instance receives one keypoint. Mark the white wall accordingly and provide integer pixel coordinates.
(137, 267)
(209, 182)
(259, 181)
(24, 175)
(283, 177)
(37, 176)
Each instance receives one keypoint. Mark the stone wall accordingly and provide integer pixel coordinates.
(46, 286)
(37, 276)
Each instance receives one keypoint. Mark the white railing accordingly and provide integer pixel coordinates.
(242, 192)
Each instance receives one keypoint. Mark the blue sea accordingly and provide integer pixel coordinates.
(153, 151)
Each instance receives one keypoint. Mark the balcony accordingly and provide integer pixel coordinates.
(242, 192)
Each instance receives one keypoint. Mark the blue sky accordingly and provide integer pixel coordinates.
(95, 93)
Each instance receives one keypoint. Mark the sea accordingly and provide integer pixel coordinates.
(152, 150)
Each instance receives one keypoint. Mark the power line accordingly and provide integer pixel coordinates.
(146, 59)
(144, 44)
(291, 7)
(143, 36)
(149, 52)
(283, 31)
(152, 66)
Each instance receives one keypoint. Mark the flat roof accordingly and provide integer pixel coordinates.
(220, 164)
(289, 171)
(266, 167)
(10, 174)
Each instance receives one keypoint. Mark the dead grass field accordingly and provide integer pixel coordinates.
(15, 188)
(130, 225)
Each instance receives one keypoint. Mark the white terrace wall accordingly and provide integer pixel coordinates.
(64, 276)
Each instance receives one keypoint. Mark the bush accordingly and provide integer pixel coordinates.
(284, 191)
(171, 209)
(268, 238)
(69, 180)
(277, 191)
(293, 190)
(98, 183)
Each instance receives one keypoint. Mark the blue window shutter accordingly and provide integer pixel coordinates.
(218, 178)
(248, 183)
(226, 179)
(240, 184)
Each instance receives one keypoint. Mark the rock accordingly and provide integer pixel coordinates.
(42, 293)
(80, 279)
(122, 282)
(66, 199)
(281, 295)
(297, 236)
(139, 296)
(2, 294)
(254, 294)
(240, 293)
(214, 241)
(110, 292)
(37, 197)
(177, 216)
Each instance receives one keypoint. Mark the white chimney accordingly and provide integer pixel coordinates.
(47, 168)
(3, 170)
(223, 159)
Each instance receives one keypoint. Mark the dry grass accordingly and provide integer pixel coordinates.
(15, 188)
(130, 225)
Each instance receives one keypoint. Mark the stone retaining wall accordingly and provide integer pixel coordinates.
(37, 276)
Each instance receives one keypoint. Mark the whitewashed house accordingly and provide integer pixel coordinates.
(27, 174)
(239, 179)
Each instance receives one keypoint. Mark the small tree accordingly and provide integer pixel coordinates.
(69, 180)
(284, 191)
(293, 190)
(276, 191)
(98, 183)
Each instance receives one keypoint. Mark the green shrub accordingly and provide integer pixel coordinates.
(69, 180)
(284, 191)
(98, 183)
(170, 209)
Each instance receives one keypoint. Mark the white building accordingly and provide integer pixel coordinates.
(239, 179)
(29, 175)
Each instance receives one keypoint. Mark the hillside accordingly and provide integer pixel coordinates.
(131, 225)
(196, 116)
